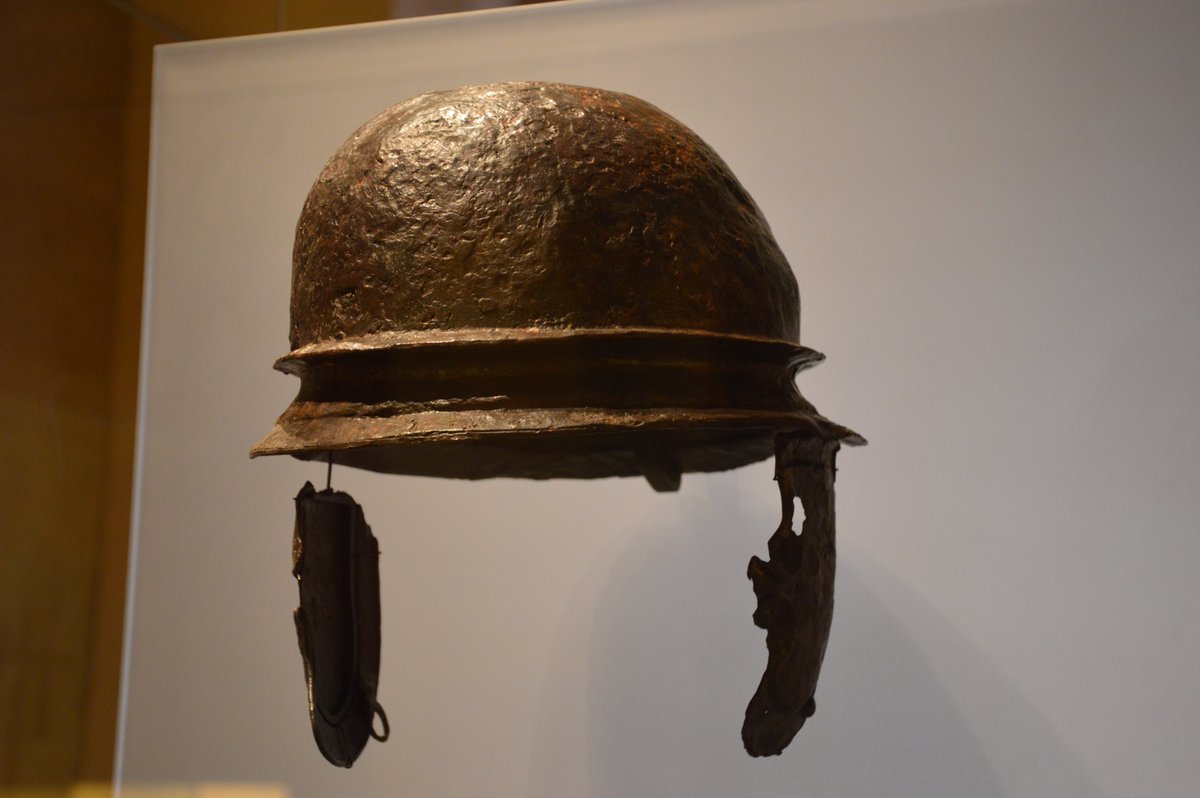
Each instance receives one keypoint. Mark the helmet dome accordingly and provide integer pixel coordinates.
(536, 279)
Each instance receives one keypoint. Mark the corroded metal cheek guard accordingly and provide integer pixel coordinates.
(540, 280)
(335, 560)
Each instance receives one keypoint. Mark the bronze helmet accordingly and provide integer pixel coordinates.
(538, 280)
(542, 280)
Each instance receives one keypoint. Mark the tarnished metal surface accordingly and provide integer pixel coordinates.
(795, 595)
(335, 559)
(536, 205)
(538, 280)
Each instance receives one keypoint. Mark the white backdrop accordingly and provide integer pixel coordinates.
(993, 211)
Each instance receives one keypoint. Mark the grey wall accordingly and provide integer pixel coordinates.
(992, 209)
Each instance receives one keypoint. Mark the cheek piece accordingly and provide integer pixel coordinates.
(335, 560)
(795, 595)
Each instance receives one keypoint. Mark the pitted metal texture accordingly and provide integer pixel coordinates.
(533, 205)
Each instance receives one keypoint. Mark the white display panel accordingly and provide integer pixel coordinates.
(991, 208)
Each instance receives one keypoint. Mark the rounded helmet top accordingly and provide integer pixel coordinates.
(533, 205)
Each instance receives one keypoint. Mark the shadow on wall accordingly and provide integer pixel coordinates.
(675, 657)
